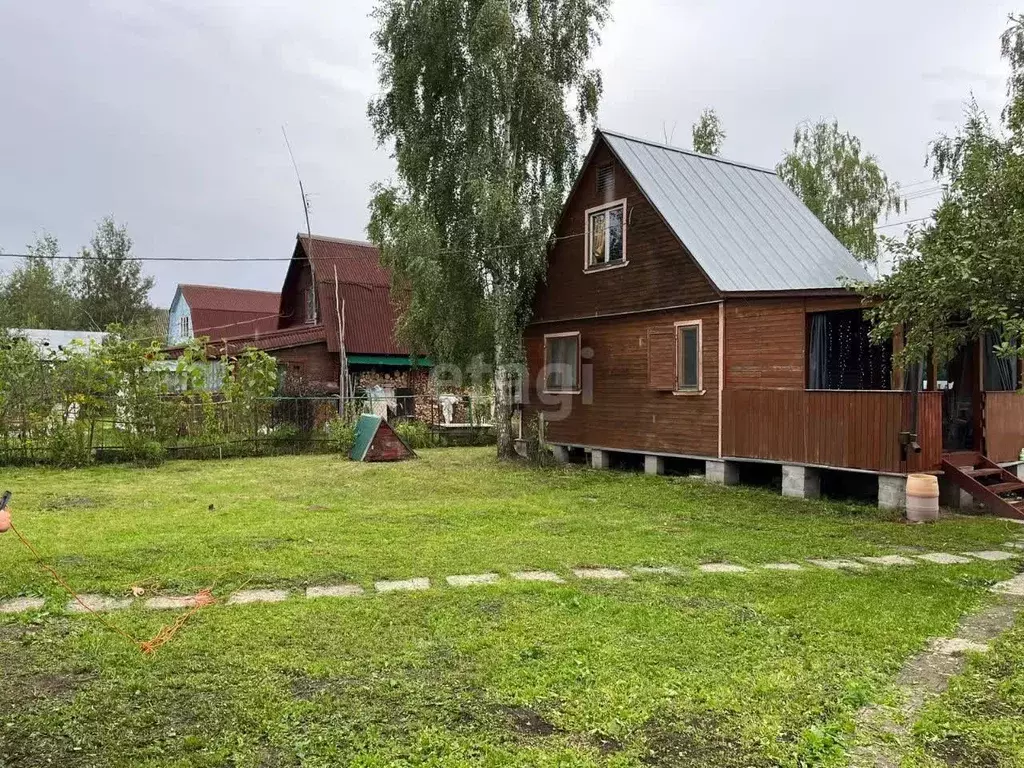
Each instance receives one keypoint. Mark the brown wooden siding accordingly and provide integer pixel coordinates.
(765, 344)
(659, 274)
(1004, 425)
(859, 430)
(626, 413)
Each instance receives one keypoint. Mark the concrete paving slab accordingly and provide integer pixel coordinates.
(943, 558)
(249, 596)
(471, 579)
(722, 568)
(334, 590)
(782, 567)
(889, 560)
(402, 585)
(1014, 586)
(170, 602)
(22, 604)
(99, 603)
(993, 555)
(1014, 544)
(839, 565)
(658, 570)
(956, 646)
(548, 576)
(607, 574)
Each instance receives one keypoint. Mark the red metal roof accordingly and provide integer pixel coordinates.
(296, 336)
(364, 286)
(222, 313)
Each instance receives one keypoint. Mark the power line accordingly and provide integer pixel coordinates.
(901, 223)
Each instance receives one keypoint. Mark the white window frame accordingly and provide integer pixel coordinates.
(590, 212)
(699, 389)
(579, 360)
(184, 327)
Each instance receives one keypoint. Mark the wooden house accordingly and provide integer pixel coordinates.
(694, 308)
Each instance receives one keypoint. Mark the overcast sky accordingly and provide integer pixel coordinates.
(168, 114)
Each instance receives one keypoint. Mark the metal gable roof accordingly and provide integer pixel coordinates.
(743, 225)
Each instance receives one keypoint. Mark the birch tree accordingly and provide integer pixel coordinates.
(484, 104)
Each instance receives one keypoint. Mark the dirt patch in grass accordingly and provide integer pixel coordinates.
(700, 741)
(528, 722)
(62, 503)
(957, 752)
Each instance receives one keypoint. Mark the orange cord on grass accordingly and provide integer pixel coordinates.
(202, 599)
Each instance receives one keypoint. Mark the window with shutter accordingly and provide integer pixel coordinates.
(688, 357)
(661, 358)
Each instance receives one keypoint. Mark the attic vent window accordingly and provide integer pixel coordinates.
(605, 178)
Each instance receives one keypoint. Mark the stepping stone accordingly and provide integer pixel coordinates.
(406, 585)
(607, 574)
(22, 604)
(471, 579)
(167, 603)
(943, 558)
(338, 590)
(99, 603)
(248, 596)
(722, 568)
(839, 565)
(782, 567)
(889, 560)
(956, 646)
(554, 578)
(1014, 544)
(1014, 586)
(658, 570)
(992, 555)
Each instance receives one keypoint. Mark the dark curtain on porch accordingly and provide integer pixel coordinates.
(841, 356)
(1000, 372)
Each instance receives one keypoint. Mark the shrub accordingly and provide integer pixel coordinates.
(68, 445)
(416, 434)
(341, 435)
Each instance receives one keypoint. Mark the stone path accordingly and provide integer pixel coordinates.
(884, 732)
(1015, 549)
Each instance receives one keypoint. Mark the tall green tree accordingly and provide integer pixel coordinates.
(112, 288)
(962, 274)
(39, 292)
(841, 184)
(708, 133)
(484, 103)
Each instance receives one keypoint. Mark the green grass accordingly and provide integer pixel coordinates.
(696, 670)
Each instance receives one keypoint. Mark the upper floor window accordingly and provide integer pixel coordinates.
(184, 327)
(606, 235)
(310, 305)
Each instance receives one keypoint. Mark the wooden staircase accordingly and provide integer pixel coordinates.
(998, 489)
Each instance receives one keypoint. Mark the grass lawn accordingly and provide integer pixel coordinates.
(754, 669)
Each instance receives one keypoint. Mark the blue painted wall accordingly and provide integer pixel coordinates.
(179, 309)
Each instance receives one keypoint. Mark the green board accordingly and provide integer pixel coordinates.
(366, 430)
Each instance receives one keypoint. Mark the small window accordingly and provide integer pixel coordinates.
(688, 357)
(562, 362)
(310, 305)
(183, 327)
(605, 178)
(606, 242)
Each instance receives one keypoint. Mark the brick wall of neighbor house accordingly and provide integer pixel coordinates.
(626, 414)
(660, 273)
(311, 363)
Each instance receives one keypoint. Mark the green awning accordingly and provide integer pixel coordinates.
(396, 360)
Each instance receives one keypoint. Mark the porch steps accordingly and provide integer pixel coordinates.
(998, 489)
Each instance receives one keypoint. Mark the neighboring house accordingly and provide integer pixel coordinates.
(51, 343)
(220, 313)
(693, 309)
(337, 288)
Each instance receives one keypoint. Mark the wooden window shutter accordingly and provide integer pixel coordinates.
(661, 358)
(605, 177)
